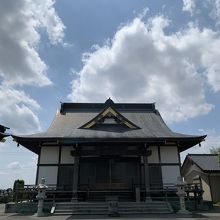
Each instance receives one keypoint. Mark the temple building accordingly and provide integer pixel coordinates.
(108, 147)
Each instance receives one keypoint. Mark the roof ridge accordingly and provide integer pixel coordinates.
(100, 106)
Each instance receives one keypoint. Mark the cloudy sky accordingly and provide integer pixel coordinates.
(164, 51)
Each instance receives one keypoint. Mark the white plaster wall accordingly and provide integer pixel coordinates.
(154, 158)
(65, 155)
(169, 154)
(207, 193)
(170, 174)
(49, 173)
(49, 155)
(214, 181)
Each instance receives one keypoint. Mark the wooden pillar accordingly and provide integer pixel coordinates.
(75, 173)
(59, 164)
(38, 163)
(75, 178)
(146, 172)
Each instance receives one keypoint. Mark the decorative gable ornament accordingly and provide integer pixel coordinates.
(110, 116)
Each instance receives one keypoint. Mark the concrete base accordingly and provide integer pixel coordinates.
(40, 215)
(26, 207)
(184, 212)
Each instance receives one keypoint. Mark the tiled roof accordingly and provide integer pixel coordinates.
(207, 162)
(150, 127)
(68, 123)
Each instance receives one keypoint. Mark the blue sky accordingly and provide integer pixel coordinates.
(85, 51)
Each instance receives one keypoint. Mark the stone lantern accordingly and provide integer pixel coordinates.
(181, 194)
(41, 195)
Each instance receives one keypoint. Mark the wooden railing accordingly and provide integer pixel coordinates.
(54, 193)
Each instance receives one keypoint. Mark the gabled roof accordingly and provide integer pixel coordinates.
(79, 122)
(206, 162)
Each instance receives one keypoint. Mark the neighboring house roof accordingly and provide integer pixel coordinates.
(82, 122)
(206, 162)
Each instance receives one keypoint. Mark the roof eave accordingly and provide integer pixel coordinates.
(36, 142)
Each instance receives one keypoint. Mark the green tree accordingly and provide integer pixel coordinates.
(214, 150)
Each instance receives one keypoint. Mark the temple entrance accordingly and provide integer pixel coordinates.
(105, 173)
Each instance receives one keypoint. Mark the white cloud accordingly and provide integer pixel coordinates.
(14, 165)
(17, 163)
(17, 111)
(20, 22)
(215, 10)
(189, 6)
(205, 8)
(145, 64)
(45, 14)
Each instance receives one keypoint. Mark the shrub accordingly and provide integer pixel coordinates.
(18, 190)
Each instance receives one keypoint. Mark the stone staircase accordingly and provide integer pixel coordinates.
(102, 208)
(151, 207)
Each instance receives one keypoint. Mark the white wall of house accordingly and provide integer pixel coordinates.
(49, 173)
(49, 155)
(207, 192)
(170, 174)
(154, 157)
(214, 181)
(66, 156)
(191, 171)
(169, 154)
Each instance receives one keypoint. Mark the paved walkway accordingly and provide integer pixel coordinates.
(209, 215)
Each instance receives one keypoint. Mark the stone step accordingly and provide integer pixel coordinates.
(89, 208)
(80, 205)
(142, 203)
(105, 204)
(80, 210)
(143, 207)
(145, 212)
